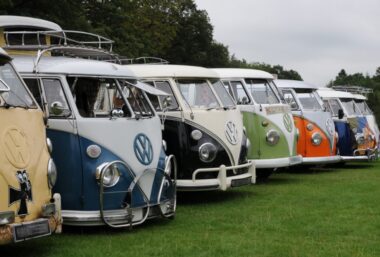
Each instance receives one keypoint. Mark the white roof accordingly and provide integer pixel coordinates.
(4, 54)
(71, 66)
(170, 71)
(285, 83)
(360, 97)
(10, 21)
(331, 93)
(239, 73)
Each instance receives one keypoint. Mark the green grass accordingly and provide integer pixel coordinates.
(316, 212)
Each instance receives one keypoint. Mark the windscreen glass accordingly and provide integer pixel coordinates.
(262, 91)
(198, 94)
(17, 96)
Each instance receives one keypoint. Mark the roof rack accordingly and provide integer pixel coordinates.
(144, 60)
(77, 51)
(33, 40)
(354, 89)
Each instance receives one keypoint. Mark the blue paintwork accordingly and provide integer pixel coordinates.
(362, 123)
(345, 143)
(76, 175)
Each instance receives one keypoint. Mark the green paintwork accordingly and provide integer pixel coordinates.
(257, 135)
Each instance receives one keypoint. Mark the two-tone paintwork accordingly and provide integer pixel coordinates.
(260, 119)
(230, 167)
(355, 139)
(24, 157)
(84, 201)
(310, 121)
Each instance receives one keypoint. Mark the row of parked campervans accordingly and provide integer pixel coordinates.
(124, 138)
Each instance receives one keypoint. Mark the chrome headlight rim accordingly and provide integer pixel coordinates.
(52, 173)
(309, 126)
(272, 137)
(49, 145)
(360, 139)
(110, 173)
(316, 138)
(207, 152)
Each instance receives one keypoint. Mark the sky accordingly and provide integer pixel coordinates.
(314, 37)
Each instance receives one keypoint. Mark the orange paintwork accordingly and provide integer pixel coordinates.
(305, 146)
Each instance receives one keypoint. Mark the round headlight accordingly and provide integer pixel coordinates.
(111, 176)
(309, 126)
(49, 145)
(360, 139)
(207, 152)
(196, 134)
(316, 138)
(272, 137)
(52, 173)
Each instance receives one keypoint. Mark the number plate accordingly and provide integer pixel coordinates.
(241, 182)
(28, 230)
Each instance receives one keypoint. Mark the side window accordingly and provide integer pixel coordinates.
(241, 94)
(157, 101)
(289, 99)
(327, 106)
(35, 89)
(165, 86)
(55, 98)
(335, 106)
(229, 89)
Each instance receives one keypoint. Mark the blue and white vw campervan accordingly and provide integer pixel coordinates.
(105, 133)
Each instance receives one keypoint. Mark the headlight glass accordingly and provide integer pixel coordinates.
(207, 152)
(111, 176)
(52, 173)
(316, 138)
(360, 139)
(272, 137)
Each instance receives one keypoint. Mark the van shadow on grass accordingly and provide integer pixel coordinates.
(211, 197)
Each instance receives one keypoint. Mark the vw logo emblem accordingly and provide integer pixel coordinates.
(143, 149)
(231, 133)
(288, 122)
(16, 147)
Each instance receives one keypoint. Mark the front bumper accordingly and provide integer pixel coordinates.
(321, 160)
(116, 217)
(278, 162)
(222, 182)
(22, 231)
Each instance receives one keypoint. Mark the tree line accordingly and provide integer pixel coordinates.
(175, 30)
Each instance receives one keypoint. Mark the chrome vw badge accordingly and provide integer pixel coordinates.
(143, 149)
(288, 122)
(330, 126)
(231, 133)
(16, 147)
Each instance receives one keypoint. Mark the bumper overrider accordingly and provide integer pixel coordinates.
(278, 162)
(128, 216)
(321, 160)
(50, 221)
(222, 182)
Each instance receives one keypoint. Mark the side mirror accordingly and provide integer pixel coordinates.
(167, 102)
(340, 114)
(117, 113)
(244, 100)
(57, 108)
(293, 105)
(4, 87)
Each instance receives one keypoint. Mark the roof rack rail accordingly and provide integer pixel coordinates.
(144, 60)
(77, 51)
(354, 89)
(33, 40)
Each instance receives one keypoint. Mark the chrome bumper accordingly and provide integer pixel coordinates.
(278, 162)
(222, 182)
(321, 160)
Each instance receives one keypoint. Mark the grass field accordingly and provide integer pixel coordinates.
(315, 212)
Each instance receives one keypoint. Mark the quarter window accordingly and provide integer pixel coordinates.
(55, 98)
